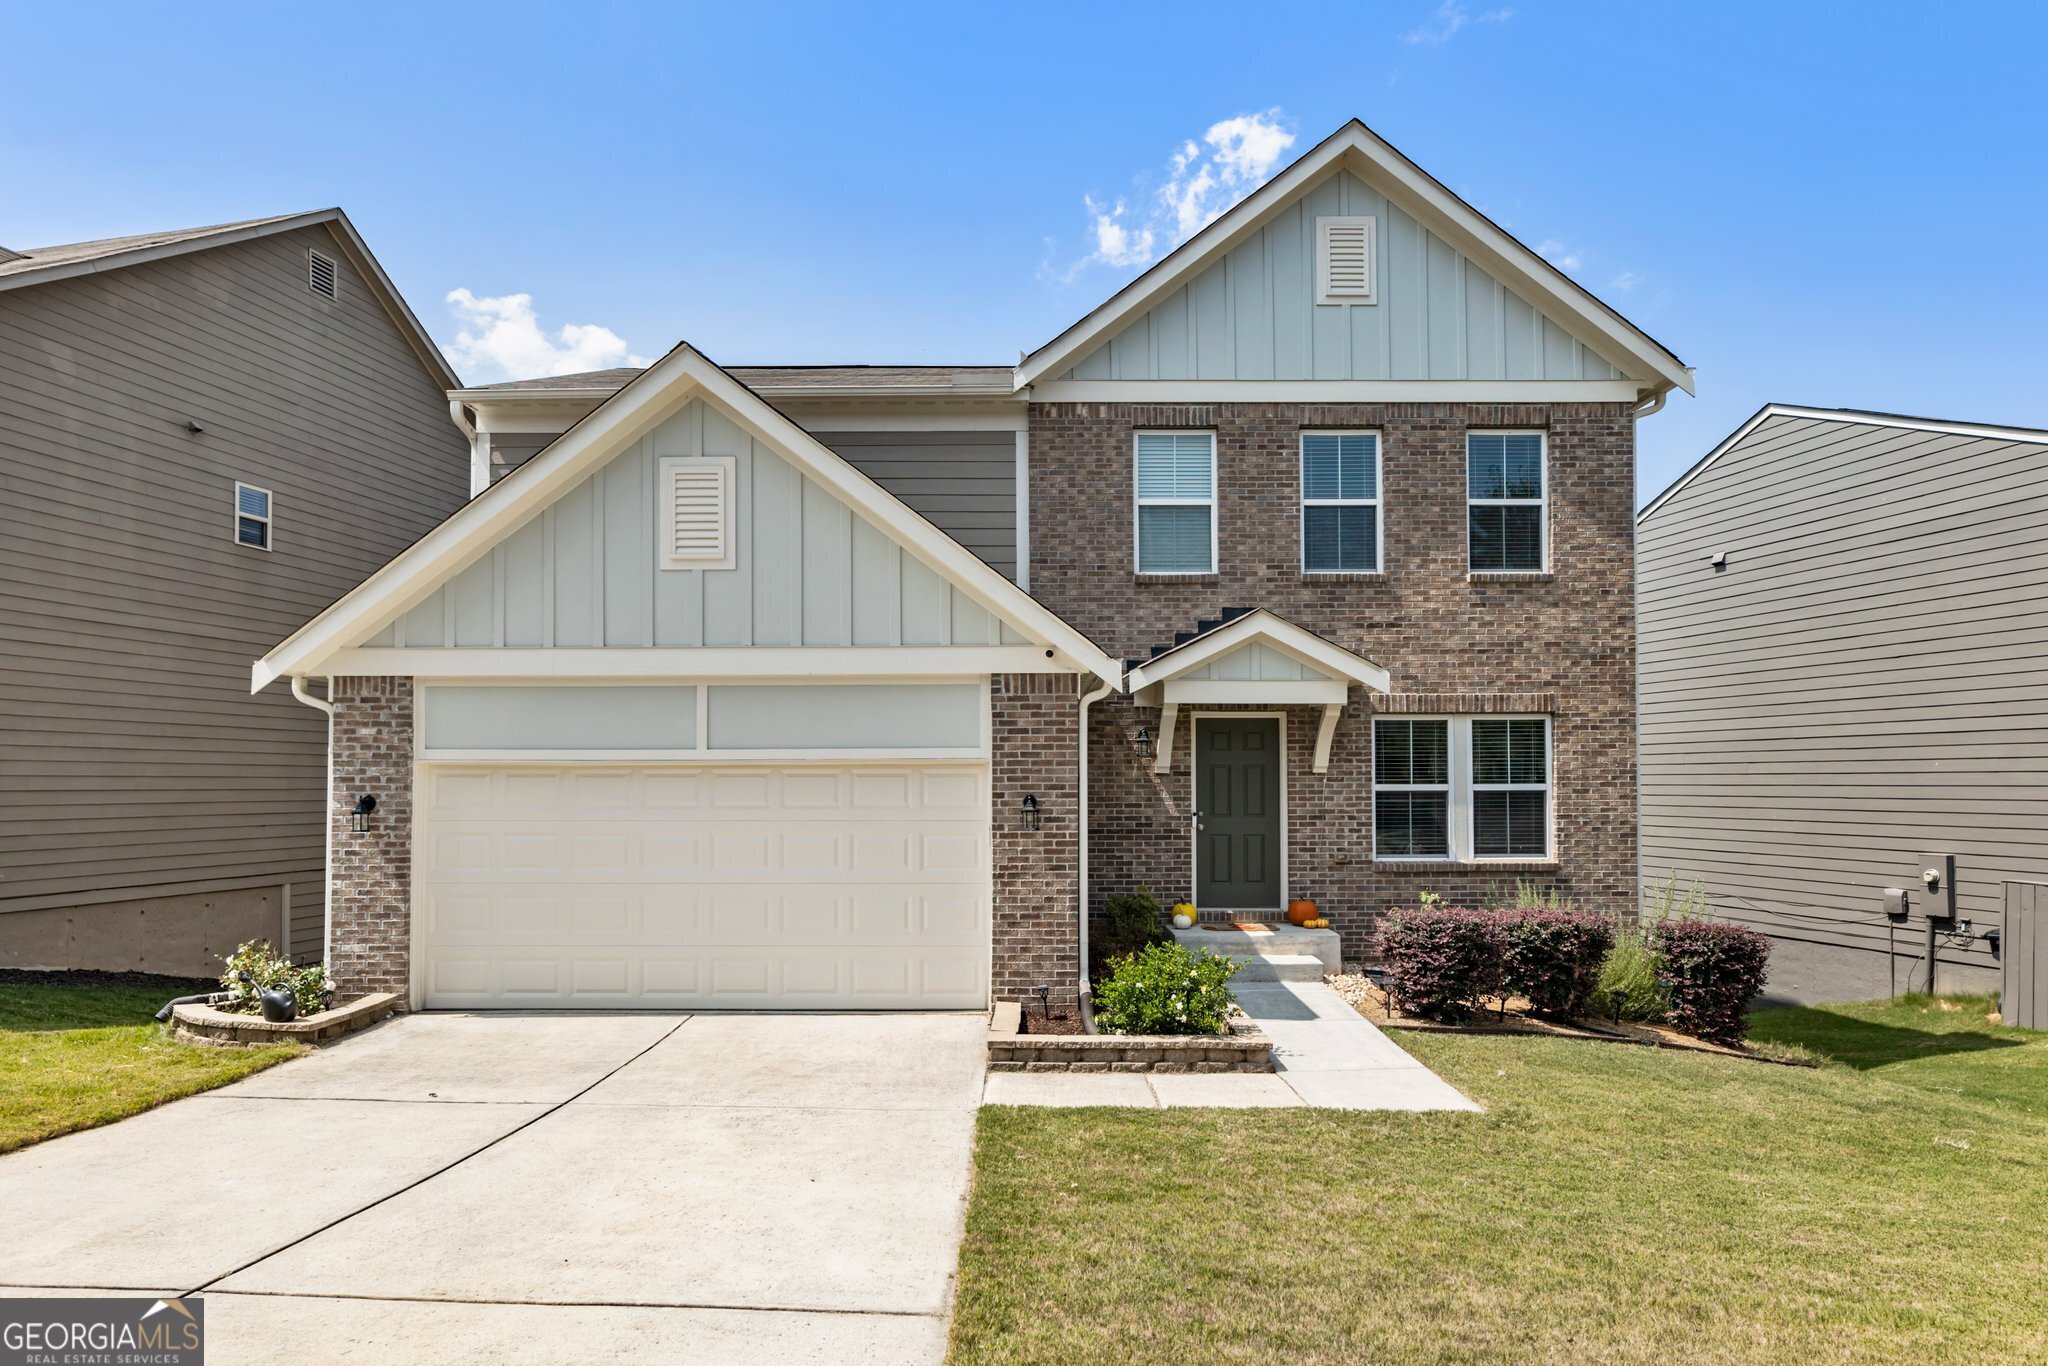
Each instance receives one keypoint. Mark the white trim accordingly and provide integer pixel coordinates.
(661, 390)
(269, 512)
(1326, 732)
(1851, 417)
(1195, 720)
(1023, 480)
(1337, 391)
(1542, 504)
(699, 756)
(1301, 645)
(1270, 692)
(1139, 502)
(1379, 521)
(725, 663)
(1016, 420)
(1357, 148)
(724, 472)
(1162, 749)
(1459, 790)
(1367, 226)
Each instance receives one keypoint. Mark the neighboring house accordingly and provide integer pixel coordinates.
(205, 436)
(1842, 663)
(1300, 567)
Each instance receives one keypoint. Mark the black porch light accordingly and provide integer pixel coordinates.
(1142, 742)
(1030, 812)
(359, 814)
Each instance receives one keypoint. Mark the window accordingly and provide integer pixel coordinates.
(320, 276)
(1461, 788)
(696, 530)
(252, 516)
(1340, 502)
(1176, 529)
(1505, 512)
(1347, 267)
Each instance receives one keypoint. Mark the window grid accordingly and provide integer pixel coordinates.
(1340, 470)
(1462, 789)
(1174, 530)
(252, 516)
(1507, 523)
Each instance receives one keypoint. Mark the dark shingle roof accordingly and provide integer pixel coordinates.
(24, 259)
(785, 377)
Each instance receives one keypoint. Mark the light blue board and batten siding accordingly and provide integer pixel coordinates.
(1252, 315)
(809, 570)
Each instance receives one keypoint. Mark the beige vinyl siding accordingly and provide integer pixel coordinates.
(133, 761)
(1866, 683)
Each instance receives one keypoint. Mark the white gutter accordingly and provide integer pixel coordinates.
(1650, 405)
(1087, 1006)
(479, 447)
(326, 822)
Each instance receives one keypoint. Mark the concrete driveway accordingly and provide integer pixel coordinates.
(539, 1188)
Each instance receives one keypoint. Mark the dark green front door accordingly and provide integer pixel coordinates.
(1237, 816)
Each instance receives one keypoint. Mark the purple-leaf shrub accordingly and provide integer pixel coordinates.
(1710, 971)
(1440, 961)
(1553, 958)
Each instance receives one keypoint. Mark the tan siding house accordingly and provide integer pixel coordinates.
(165, 401)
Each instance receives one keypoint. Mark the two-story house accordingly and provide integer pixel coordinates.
(1299, 567)
(205, 436)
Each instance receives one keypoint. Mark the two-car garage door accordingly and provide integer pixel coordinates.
(770, 886)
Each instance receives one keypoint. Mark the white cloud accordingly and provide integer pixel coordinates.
(1201, 181)
(1567, 259)
(1445, 22)
(1625, 281)
(500, 338)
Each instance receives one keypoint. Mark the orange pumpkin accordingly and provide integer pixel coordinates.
(1300, 912)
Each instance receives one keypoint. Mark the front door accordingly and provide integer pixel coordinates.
(1237, 813)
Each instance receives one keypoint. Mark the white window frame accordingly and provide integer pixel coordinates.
(333, 273)
(1324, 226)
(1139, 501)
(1541, 504)
(1379, 524)
(1458, 806)
(269, 513)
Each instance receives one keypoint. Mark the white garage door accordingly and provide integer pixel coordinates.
(758, 886)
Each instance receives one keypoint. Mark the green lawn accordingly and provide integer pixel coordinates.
(81, 1049)
(1613, 1204)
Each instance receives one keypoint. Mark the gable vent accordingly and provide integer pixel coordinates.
(696, 530)
(1347, 266)
(320, 274)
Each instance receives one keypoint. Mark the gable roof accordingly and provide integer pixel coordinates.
(1356, 147)
(23, 267)
(1238, 628)
(1856, 416)
(681, 375)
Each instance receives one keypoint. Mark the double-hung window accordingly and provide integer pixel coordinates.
(1340, 503)
(1176, 531)
(1461, 788)
(1505, 512)
(252, 516)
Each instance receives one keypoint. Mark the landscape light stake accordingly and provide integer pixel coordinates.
(1044, 993)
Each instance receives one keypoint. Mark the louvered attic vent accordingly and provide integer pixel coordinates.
(320, 274)
(696, 512)
(1347, 266)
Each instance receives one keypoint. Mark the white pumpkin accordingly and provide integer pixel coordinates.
(1183, 921)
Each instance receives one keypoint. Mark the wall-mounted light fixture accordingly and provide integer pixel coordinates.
(1030, 812)
(1142, 742)
(359, 815)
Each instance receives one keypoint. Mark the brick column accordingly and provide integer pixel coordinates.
(369, 887)
(1035, 741)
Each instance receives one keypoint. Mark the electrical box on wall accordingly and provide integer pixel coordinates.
(1937, 878)
(1895, 902)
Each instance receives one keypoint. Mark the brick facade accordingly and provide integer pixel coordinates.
(1035, 736)
(369, 888)
(1562, 642)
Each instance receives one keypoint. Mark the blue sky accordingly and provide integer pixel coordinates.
(1835, 205)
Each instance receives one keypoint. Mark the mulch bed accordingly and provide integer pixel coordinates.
(1371, 1002)
(1065, 1017)
(170, 986)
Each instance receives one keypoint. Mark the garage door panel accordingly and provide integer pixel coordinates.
(771, 887)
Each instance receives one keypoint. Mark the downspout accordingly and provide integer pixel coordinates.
(1650, 406)
(326, 820)
(1087, 1005)
(479, 447)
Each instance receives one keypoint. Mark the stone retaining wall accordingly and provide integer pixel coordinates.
(1245, 1050)
(204, 1024)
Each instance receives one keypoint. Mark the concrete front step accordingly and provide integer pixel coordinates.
(1282, 943)
(1283, 967)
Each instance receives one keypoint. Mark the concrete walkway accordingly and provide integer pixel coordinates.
(1328, 1055)
(539, 1188)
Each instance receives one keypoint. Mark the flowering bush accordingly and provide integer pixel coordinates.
(1553, 957)
(1166, 989)
(307, 985)
(1710, 972)
(1440, 962)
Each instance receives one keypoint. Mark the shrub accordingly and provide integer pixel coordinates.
(1166, 989)
(1130, 921)
(1628, 987)
(307, 985)
(1440, 962)
(1553, 957)
(1709, 971)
